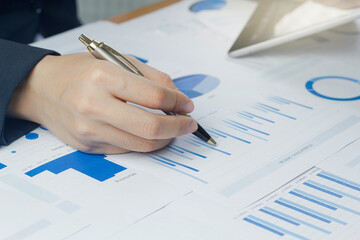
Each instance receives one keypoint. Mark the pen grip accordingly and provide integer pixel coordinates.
(104, 55)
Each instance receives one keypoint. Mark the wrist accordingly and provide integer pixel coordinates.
(25, 103)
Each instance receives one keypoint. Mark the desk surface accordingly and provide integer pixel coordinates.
(141, 11)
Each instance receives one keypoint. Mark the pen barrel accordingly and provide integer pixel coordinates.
(104, 55)
(202, 134)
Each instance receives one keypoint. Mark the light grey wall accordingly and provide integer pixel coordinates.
(93, 10)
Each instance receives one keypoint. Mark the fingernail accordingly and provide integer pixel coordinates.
(193, 126)
(188, 107)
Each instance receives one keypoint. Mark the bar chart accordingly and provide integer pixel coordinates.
(237, 132)
(94, 166)
(315, 205)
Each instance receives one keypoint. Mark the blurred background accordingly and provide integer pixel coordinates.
(93, 10)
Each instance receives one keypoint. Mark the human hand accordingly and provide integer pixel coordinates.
(346, 4)
(83, 101)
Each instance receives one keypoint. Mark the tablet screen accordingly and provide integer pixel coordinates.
(277, 18)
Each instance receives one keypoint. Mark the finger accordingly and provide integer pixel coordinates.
(144, 124)
(124, 140)
(146, 93)
(153, 74)
(142, 91)
(99, 137)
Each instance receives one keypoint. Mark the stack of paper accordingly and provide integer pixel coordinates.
(287, 163)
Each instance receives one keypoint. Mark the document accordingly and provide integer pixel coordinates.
(286, 164)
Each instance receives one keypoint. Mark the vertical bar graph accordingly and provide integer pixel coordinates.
(318, 203)
(94, 166)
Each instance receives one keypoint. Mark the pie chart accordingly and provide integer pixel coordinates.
(196, 85)
(207, 5)
(335, 88)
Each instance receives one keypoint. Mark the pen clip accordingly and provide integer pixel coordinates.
(121, 58)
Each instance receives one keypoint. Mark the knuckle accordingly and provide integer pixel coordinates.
(148, 146)
(165, 79)
(159, 97)
(83, 130)
(152, 128)
(85, 106)
(97, 74)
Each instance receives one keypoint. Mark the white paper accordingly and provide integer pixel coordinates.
(273, 135)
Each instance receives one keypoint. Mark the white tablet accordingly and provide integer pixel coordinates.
(275, 22)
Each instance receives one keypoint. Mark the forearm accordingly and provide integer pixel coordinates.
(16, 63)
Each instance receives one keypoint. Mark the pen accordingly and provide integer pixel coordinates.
(105, 52)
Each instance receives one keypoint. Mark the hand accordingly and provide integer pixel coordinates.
(83, 101)
(346, 4)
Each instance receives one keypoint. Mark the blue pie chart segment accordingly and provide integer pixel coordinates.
(310, 87)
(207, 5)
(196, 85)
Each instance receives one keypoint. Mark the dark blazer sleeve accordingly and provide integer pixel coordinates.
(16, 62)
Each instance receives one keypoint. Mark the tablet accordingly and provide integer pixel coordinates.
(275, 22)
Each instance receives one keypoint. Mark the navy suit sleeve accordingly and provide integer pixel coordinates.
(16, 62)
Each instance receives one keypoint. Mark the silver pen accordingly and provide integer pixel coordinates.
(102, 51)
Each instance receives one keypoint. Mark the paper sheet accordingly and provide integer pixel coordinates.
(274, 138)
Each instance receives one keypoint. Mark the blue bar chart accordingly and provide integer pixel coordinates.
(94, 166)
(237, 131)
(258, 122)
(319, 204)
